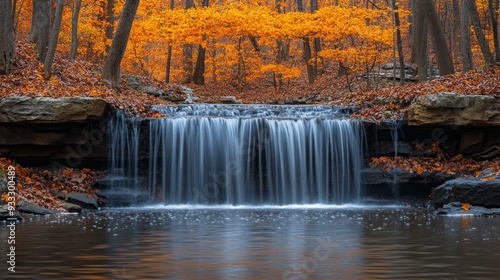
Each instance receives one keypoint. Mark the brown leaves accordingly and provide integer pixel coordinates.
(443, 164)
(77, 78)
(41, 187)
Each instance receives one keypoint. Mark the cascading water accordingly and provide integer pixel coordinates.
(237, 154)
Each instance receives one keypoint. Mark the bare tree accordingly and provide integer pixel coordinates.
(427, 22)
(493, 7)
(420, 35)
(7, 36)
(111, 71)
(481, 39)
(443, 55)
(49, 58)
(399, 43)
(465, 47)
(74, 30)
(40, 26)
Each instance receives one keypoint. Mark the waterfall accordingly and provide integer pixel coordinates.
(124, 152)
(221, 154)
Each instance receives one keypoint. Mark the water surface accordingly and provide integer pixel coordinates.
(293, 242)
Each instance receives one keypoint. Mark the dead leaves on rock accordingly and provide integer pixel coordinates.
(42, 187)
(443, 164)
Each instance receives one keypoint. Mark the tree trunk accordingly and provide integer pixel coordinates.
(110, 22)
(465, 48)
(199, 70)
(40, 27)
(169, 52)
(318, 61)
(7, 34)
(420, 48)
(443, 55)
(399, 43)
(74, 30)
(493, 11)
(455, 34)
(56, 27)
(306, 48)
(481, 39)
(111, 71)
(242, 84)
(187, 52)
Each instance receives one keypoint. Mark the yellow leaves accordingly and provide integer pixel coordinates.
(466, 206)
(279, 69)
(54, 81)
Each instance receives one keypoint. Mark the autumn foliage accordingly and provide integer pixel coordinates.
(43, 186)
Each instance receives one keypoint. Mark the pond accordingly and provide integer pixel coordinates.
(265, 242)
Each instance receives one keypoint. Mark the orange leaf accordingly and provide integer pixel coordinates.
(466, 206)
(419, 170)
(490, 178)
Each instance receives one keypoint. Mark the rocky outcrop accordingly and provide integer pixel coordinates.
(9, 214)
(51, 110)
(71, 208)
(397, 183)
(456, 208)
(475, 191)
(451, 109)
(82, 200)
(28, 207)
(42, 130)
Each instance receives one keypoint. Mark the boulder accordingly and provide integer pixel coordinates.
(28, 207)
(229, 100)
(51, 110)
(448, 108)
(134, 82)
(71, 208)
(6, 214)
(151, 90)
(189, 95)
(82, 200)
(455, 208)
(475, 191)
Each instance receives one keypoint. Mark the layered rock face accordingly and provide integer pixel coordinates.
(45, 129)
(475, 191)
(451, 109)
(51, 110)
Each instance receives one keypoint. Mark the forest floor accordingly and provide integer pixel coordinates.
(81, 78)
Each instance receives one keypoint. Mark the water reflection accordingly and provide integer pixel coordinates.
(217, 243)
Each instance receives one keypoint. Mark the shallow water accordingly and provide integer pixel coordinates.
(294, 242)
